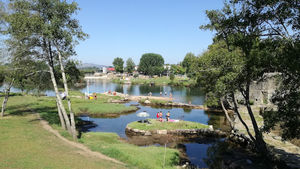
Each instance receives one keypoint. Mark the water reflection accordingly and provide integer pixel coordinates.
(180, 94)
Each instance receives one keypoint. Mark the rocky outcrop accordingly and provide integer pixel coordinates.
(207, 132)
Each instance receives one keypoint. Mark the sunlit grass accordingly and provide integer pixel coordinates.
(157, 125)
(141, 157)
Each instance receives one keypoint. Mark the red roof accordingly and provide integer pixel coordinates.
(111, 69)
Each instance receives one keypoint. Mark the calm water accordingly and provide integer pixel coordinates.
(180, 94)
(195, 151)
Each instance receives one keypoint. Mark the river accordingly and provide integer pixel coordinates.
(196, 151)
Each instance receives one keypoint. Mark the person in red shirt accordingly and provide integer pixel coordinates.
(157, 116)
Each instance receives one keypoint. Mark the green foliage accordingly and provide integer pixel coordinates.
(218, 71)
(118, 64)
(130, 65)
(172, 76)
(151, 64)
(189, 64)
(267, 33)
(178, 69)
(73, 74)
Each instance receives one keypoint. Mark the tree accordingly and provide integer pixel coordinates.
(177, 69)
(130, 65)
(256, 27)
(118, 64)
(188, 63)
(50, 34)
(151, 64)
(217, 73)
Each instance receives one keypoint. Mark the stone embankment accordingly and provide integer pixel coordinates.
(189, 133)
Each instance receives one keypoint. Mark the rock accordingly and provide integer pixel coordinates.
(147, 102)
(211, 127)
(148, 133)
(162, 132)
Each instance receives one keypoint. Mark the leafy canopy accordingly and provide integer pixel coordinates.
(151, 64)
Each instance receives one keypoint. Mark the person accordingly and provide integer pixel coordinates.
(63, 96)
(168, 116)
(160, 93)
(157, 116)
(171, 95)
(160, 116)
(95, 96)
(165, 93)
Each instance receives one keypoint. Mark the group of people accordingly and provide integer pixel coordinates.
(159, 116)
(166, 94)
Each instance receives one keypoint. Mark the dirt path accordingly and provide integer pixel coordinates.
(284, 149)
(83, 149)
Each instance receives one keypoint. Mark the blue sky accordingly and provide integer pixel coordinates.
(130, 28)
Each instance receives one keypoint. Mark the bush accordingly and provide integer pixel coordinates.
(172, 76)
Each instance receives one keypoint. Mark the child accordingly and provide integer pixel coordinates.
(160, 116)
(168, 116)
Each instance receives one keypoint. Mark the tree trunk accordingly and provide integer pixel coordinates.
(7, 91)
(61, 118)
(240, 118)
(73, 125)
(226, 114)
(260, 143)
(58, 98)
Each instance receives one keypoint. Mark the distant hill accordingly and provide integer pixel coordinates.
(90, 65)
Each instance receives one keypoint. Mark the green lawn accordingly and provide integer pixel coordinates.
(157, 125)
(18, 122)
(142, 157)
(25, 144)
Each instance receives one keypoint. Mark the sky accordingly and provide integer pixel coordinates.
(130, 28)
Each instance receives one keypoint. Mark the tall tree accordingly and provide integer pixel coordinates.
(254, 27)
(151, 64)
(130, 65)
(118, 64)
(50, 32)
(188, 63)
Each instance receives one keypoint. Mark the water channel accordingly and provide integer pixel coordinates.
(195, 151)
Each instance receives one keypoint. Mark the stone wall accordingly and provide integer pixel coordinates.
(209, 132)
(261, 92)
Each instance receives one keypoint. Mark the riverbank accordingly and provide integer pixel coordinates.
(284, 150)
(26, 144)
(164, 80)
(109, 144)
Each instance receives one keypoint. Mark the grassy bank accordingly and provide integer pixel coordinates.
(20, 124)
(141, 157)
(157, 125)
(25, 144)
(160, 81)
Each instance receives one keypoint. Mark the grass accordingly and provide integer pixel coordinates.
(164, 80)
(36, 148)
(157, 125)
(141, 157)
(25, 144)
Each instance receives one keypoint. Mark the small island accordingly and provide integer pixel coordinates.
(177, 128)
